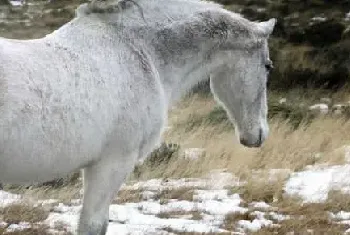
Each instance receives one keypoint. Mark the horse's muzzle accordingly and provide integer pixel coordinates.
(253, 142)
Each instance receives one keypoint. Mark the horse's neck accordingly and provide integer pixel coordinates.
(182, 70)
(183, 51)
(179, 51)
(184, 55)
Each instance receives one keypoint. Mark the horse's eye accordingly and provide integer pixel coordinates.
(269, 67)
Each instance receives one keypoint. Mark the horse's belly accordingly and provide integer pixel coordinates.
(39, 166)
(31, 153)
(23, 173)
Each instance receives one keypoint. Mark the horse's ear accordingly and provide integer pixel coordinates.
(266, 27)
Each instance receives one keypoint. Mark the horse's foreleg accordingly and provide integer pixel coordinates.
(101, 181)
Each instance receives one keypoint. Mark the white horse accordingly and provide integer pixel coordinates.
(94, 94)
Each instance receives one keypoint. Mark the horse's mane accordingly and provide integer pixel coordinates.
(157, 10)
(158, 13)
(117, 6)
(104, 6)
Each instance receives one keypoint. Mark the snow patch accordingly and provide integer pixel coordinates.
(347, 16)
(342, 215)
(17, 3)
(8, 198)
(313, 184)
(254, 225)
(260, 205)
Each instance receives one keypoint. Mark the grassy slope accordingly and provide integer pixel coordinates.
(198, 122)
(286, 147)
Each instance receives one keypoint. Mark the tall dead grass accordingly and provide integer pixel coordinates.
(315, 142)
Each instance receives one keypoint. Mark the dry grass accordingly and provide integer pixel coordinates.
(183, 193)
(232, 219)
(193, 215)
(173, 231)
(63, 194)
(285, 147)
(309, 217)
(312, 226)
(128, 196)
(34, 215)
(262, 189)
(16, 213)
(38, 230)
(134, 196)
(30, 231)
(296, 149)
(196, 215)
(304, 218)
(337, 201)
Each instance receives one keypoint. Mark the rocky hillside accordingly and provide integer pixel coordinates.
(310, 45)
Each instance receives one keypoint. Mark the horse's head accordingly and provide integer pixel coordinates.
(240, 84)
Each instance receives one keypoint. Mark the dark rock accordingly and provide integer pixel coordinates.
(346, 34)
(4, 2)
(296, 34)
(254, 13)
(225, 2)
(324, 33)
(308, 67)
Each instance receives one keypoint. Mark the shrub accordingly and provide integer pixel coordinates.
(16, 213)
(159, 157)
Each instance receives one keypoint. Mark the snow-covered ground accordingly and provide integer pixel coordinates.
(313, 184)
(17, 2)
(204, 212)
(145, 217)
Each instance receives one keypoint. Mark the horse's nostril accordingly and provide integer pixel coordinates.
(253, 142)
(243, 141)
(260, 135)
